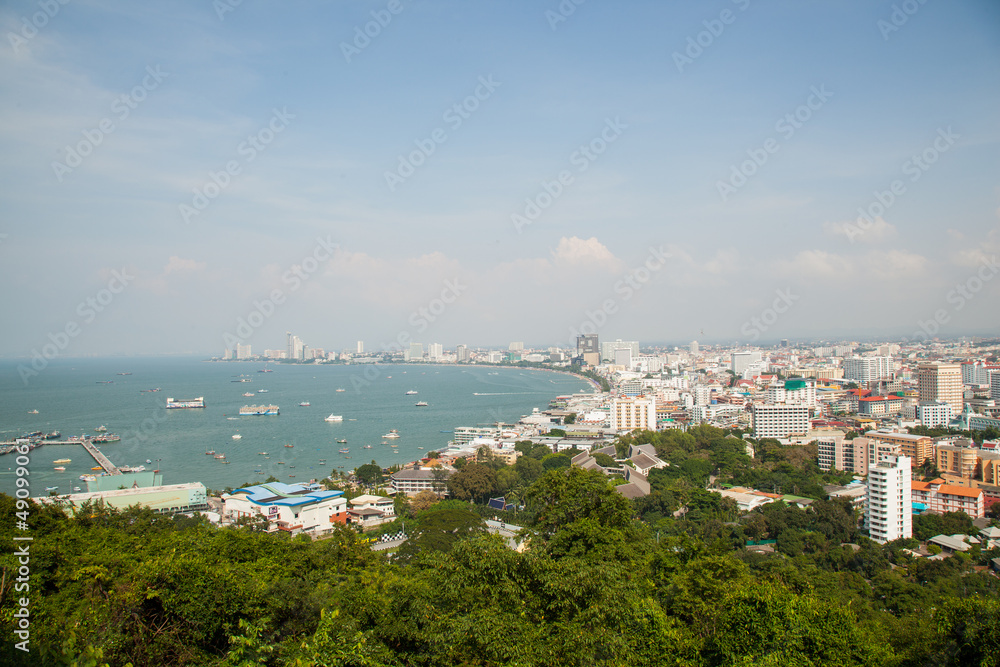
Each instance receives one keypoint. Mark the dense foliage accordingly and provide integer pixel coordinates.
(603, 580)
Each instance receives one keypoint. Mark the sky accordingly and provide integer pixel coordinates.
(179, 176)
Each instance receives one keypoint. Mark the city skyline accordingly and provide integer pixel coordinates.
(485, 173)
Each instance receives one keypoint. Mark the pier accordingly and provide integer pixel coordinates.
(101, 459)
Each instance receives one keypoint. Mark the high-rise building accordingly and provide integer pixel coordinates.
(435, 351)
(694, 347)
(461, 353)
(608, 348)
(780, 421)
(867, 369)
(941, 382)
(995, 385)
(516, 346)
(361, 347)
(623, 357)
(740, 361)
(588, 347)
(416, 352)
(633, 413)
(933, 413)
(888, 502)
(243, 351)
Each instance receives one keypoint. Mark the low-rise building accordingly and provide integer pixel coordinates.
(295, 508)
(411, 482)
(939, 496)
(368, 510)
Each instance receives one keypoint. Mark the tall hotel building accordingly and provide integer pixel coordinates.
(889, 503)
(867, 369)
(629, 413)
(941, 382)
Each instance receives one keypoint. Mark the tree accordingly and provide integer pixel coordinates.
(423, 500)
(556, 461)
(570, 418)
(529, 469)
(476, 482)
(369, 474)
(557, 433)
(604, 460)
(439, 530)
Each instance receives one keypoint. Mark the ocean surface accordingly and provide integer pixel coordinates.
(70, 397)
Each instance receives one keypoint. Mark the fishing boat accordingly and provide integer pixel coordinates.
(101, 429)
(342, 440)
(345, 450)
(289, 445)
(220, 456)
(367, 447)
(210, 452)
(304, 404)
(60, 468)
(339, 389)
(334, 418)
(261, 453)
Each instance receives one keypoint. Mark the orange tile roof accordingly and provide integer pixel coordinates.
(960, 491)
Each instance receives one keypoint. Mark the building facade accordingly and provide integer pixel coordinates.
(937, 496)
(780, 421)
(941, 382)
(888, 502)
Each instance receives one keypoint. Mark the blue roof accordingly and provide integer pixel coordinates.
(291, 495)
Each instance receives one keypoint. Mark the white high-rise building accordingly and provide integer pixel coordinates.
(995, 385)
(633, 413)
(361, 347)
(780, 421)
(623, 357)
(516, 346)
(435, 351)
(415, 352)
(888, 503)
(933, 413)
(867, 369)
(608, 348)
(694, 347)
(740, 361)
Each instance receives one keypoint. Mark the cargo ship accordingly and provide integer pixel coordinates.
(259, 410)
(186, 403)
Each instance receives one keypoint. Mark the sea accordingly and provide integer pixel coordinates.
(77, 396)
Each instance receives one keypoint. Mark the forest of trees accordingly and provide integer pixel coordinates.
(603, 580)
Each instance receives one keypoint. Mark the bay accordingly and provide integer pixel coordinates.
(71, 396)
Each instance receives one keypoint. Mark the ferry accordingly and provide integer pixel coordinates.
(391, 434)
(185, 403)
(421, 404)
(334, 418)
(259, 410)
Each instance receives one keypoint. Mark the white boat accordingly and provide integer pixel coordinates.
(334, 418)
(391, 434)
(101, 429)
(60, 468)
(341, 389)
(32, 412)
(237, 436)
(412, 392)
(304, 404)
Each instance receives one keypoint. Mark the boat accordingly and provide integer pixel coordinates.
(233, 419)
(210, 452)
(367, 447)
(412, 392)
(391, 434)
(60, 468)
(341, 389)
(110, 437)
(185, 403)
(61, 461)
(289, 445)
(261, 453)
(32, 412)
(97, 468)
(259, 410)
(220, 456)
(265, 370)
(262, 391)
(304, 404)
(51, 488)
(242, 379)
(76, 488)
(419, 447)
(101, 429)
(52, 436)
(123, 374)
(149, 461)
(345, 450)
(237, 436)
(334, 418)
(249, 394)
(342, 440)
(421, 404)
(443, 431)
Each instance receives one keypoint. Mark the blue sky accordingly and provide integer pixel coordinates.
(554, 87)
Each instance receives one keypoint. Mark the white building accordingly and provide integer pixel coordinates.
(412, 482)
(867, 369)
(797, 391)
(889, 505)
(780, 421)
(608, 348)
(305, 508)
(740, 361)
(633, 413)
(435, 351)
(933, 413)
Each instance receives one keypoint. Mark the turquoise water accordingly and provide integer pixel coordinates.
(69, 399)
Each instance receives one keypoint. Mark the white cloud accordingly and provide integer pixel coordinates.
(861, 230)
